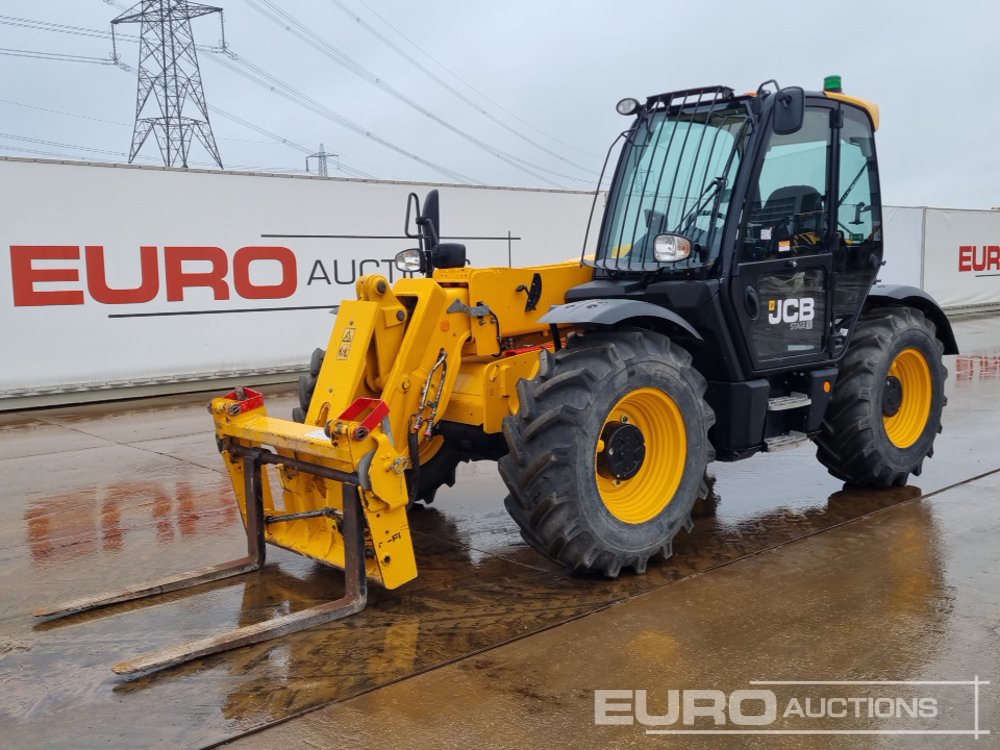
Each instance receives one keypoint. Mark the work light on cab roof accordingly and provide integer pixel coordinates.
(628, 106)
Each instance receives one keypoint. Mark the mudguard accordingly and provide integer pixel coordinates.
(609, 312)
(888, 295)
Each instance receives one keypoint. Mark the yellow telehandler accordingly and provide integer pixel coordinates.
(730, 307)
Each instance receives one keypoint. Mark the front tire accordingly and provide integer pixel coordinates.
(885, 411)
(608, 451)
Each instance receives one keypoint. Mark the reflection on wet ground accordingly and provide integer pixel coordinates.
(102, 497)
(907, 594)
(977, 367)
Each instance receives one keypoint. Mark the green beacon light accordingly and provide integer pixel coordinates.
(832, 84)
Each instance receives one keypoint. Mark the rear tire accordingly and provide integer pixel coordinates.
(885, 411)
(307, 386)
(575, 500)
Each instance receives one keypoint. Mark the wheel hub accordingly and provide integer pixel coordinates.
(892, 396)
(624, 451)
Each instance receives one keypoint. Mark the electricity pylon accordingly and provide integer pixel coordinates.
(170, 75)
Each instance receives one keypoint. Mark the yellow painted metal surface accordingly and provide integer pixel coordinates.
(870, 107)
(486, 390)
(320, 537)
(452, 347)
(906, 426)
(341, 378)
(643, 496)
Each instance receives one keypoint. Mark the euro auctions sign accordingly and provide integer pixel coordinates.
(889, 708)
(80, 316)
(167, 274)
(961, 257)
(978, 259)
(44, 275)
(113, 276)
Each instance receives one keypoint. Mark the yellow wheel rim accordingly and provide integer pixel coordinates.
(429, 448)
(906, 426)
(645, 495)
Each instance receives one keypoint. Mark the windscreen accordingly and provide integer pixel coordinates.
(675, 175)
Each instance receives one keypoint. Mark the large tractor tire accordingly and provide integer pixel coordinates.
(608, 450)
(885, 411)
(438, 461)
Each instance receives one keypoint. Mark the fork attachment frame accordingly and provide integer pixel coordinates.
(355, 586)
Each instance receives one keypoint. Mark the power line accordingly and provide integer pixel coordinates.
(62, 28)
(285, 141)
(34, 25)
(99, 34)
(261, 130)
(120, 154)
(40, 152)
(274, 139)
(232, 62)
(448, 87)
(257, 128)
(272, 84)
(58, 56)
(61, 112)
(457, 77)
(304, 33)
(42, 142)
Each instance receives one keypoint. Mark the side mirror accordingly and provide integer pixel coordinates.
(789, 109)
(412, 209)
(428, 256)
(430, 219)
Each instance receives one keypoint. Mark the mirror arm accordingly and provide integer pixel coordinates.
(411, 201)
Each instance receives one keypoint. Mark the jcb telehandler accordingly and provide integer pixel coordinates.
(730, 307)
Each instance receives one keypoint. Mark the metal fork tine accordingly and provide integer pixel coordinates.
(353, 601)
(152, 588)
(254, 559)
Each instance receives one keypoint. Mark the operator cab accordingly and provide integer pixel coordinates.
(769, 201)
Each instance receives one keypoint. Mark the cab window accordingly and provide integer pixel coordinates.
(786, 214)
(858, 251)
(858, 208)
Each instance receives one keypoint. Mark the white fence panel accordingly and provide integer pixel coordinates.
(120, 276)
(903, 250)
(962, 257)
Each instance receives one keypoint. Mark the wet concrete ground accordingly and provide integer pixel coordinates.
(492, 646)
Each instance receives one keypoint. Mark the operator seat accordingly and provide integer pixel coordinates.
(801, 202)
(791, 211)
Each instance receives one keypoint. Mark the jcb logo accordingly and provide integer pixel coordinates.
(799, 310)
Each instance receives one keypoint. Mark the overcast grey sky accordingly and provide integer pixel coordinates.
(553, 71)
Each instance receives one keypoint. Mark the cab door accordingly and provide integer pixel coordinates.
(857, 251)
(782, 285)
